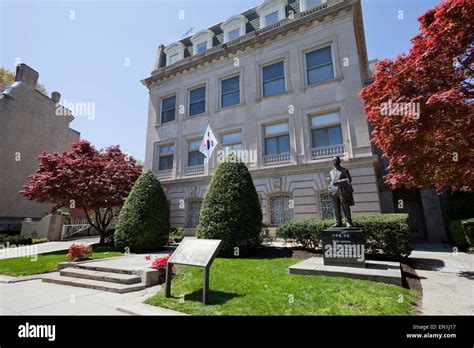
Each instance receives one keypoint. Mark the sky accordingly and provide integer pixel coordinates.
(96, 52)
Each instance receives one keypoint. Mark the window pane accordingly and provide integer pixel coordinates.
(284, 143)
(167, 116)
(195, 158)
(325, 119)
(273, 71)
(168, 103)
(166, 163)
(318, 57)
(234, 34)
(320, 137)
(201, 47)
(313, 3)
(271, 146)
(334, 135)
(322, 73)
(174, 58)
(197, 101)
(195, 145)
(276, 128)
(166, 149)
(271, 18)
(230, 85)
(273, 87)
(232, 137)
(197, 94)
(230, 99)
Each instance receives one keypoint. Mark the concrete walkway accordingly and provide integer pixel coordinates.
(446, 278)
(42, 248)
(35, 297)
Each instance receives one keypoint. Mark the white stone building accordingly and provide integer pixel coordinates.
(280, 81)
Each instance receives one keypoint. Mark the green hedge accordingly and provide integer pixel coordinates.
(144, 221)
(231, 209)
(387, 234)
(15, 239)
(461, 233)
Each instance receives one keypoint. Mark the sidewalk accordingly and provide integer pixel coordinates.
(446, 278)
(43, 248)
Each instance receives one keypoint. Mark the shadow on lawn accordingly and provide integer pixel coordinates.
(215, 297)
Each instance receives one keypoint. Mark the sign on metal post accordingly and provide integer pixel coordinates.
(194, 252)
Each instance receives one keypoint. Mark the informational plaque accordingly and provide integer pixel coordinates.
(194, 252)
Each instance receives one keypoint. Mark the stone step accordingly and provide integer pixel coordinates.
(94, 284)
(91, 267)
(111, 277)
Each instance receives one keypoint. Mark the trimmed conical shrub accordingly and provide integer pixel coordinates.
(231, 209)
(144, 221)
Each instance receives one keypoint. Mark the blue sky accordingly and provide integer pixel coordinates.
(98, 51)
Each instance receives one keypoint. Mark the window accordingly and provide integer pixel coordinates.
(327, 209)
(234, 27)
(195, 158)
(277, 139)
(166, 155)
(232, 142)
(174, 52)
(174, 58)
(168, 109)
(234, 34)
(273, 79)
(271, 18)
(201, 47)
(192, 213)
(319, 65)
(197, 101)
(230, 91)
(326, 130)
(308, 4)
(280, 211)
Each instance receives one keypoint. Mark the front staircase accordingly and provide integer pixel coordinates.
(98, 278)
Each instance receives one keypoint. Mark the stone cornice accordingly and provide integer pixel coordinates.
(260, 37)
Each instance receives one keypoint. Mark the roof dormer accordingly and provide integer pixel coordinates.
(309, 4)
(271, 12)
(202, 41)
(234, 27)
(174, 52)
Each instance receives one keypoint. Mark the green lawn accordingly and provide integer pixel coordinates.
(21, 266)
(264, 287)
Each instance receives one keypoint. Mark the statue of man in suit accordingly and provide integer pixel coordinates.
(341, 191)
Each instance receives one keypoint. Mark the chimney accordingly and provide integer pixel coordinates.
(159, 57)
(26, 75)
(55, 96)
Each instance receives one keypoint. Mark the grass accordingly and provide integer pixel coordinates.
(45, 263)
(264, 287)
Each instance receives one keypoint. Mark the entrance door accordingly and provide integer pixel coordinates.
(411, 204)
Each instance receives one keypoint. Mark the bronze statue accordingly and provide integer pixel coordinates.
(341, 191)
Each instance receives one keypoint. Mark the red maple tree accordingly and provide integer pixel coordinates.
(95, 181)
(420, 104)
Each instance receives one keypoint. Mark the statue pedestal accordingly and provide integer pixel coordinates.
(344, 246)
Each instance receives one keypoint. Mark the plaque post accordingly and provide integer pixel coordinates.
(205, 289)
(169, 267)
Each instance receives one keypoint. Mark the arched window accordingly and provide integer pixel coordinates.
(193, 209)
(281, 209)
(327, 209)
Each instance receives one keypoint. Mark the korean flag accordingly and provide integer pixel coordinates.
(208, 145)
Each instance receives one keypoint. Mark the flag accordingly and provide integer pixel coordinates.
(209, 143)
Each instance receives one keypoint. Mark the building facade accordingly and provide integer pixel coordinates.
(29, 125)
(279, 84)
